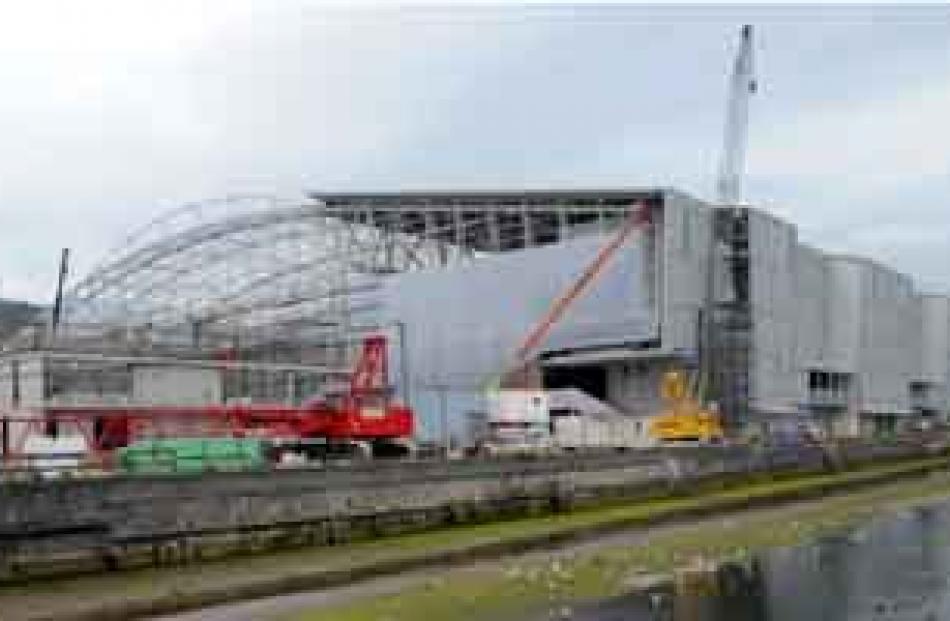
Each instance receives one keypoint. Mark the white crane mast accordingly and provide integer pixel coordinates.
(742, 85)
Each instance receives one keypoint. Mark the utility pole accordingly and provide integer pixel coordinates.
(58, 300)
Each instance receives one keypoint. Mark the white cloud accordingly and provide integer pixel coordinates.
(112, 111)
(121, 110)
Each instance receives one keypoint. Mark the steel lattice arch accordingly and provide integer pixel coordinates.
(307, 269)
(249, 263)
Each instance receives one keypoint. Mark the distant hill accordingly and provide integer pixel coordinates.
(14, 314)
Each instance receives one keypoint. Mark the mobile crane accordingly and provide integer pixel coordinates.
(363, 419)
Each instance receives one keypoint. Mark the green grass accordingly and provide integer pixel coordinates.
(240, 577)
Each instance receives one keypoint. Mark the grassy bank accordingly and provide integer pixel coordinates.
(138, 593)
(523, 589)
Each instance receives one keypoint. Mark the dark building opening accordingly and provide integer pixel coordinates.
(589, 378)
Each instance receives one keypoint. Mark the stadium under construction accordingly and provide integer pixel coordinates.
(379, 316)
(255, 300)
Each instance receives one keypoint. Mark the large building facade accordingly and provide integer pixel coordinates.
(463, 321)
(781, 331)
(844, 340)
(786, 331)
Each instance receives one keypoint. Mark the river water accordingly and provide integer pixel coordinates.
(895, 568)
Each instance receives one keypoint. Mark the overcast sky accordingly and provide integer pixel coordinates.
(111, 112)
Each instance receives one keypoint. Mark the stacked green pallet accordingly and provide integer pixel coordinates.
(193, 455)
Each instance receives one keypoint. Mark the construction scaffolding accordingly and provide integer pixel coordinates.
(730, 337)
(263, 269)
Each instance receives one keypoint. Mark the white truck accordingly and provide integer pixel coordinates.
(535, 422)
(518, 422)
(580, 422)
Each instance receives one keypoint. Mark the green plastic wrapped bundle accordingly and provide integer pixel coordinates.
(191, 455)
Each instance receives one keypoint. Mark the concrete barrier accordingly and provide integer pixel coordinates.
(57, 527)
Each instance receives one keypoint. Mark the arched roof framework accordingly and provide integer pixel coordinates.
(248, 261)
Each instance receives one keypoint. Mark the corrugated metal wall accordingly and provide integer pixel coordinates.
(874, 319)
(463, 324)
(935, 340)
(809, 311)
(687, 227)
(844, 311)
(776, 368)
(811, 286)
(935, 346)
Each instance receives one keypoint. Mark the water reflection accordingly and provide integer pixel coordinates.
(893, 570)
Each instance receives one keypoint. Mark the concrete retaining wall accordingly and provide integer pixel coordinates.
(54, 527)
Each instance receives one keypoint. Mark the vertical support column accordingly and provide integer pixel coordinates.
(15, 383)
(342, 301)
(432, 235)
(358, 236)
(710, 366)
(459, 235)
(527, 225)
(444, 418)
(494, 234)
(13, 371)
(562, 224)
(651, 271)
(428, 224)
(404, 372)
(196, 333)
(389, 240)
(289, 389)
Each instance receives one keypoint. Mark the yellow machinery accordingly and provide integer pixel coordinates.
(683, 418)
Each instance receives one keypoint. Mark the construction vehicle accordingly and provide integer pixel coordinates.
(742, 85)
(359, 419)
(581, 423)
(684, 419)
(518, 422)
(520, 417)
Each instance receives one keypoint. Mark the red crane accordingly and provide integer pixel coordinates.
(522, 373)
(364, 416)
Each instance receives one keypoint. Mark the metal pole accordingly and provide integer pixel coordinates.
(403, 361)
(444, 418)
(290, 385)
(60, 284)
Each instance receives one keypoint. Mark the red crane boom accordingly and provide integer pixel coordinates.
(518, 375)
